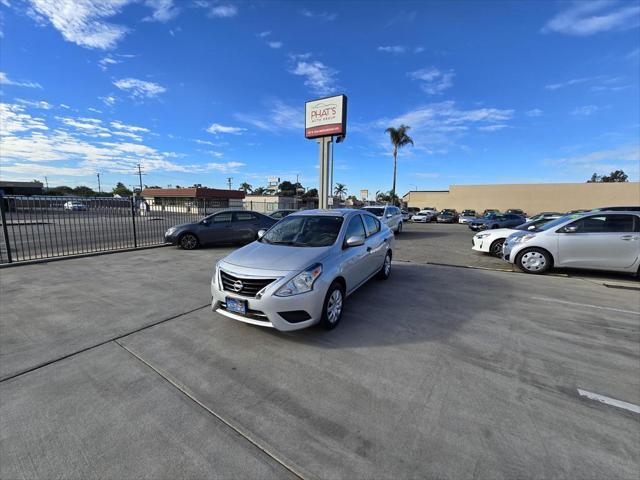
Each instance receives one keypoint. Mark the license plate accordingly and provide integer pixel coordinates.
(236, 305)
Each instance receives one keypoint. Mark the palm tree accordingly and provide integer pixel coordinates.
(340, 189)
(259, 191)
(399, 139)
(245, 187)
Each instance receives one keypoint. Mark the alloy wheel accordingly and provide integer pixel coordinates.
(334, 307)
(188, 242)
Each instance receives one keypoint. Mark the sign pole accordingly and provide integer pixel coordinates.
(324, 144)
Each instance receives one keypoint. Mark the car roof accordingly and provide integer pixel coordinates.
(335, 212)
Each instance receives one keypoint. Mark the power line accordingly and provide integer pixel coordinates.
(140, 176)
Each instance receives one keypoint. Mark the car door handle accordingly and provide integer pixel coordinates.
(629, 237)
(368, 249)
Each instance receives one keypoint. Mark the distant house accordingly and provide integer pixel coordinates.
(21, 188)
(192, 200)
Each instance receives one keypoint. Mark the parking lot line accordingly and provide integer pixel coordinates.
(585, 305)
(609, 401)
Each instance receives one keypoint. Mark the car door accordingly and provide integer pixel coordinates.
(610, 241)
(375, 243)
(217, 229)
(355, 265)
(245, 226)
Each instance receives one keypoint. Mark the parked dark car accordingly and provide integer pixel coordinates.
(229, 226)
(497, 221)
(279, 214)
(516, 211)
(448, 215)
(618, 209)
(489, 211)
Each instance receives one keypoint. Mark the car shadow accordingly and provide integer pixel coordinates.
(406, 309)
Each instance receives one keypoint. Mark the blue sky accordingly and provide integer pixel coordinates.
(198, 91)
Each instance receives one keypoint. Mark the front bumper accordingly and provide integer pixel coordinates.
(266, 309)
(507, 250)
(172, 239)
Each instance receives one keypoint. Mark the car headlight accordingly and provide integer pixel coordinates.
(482, 235)
(302, 282)
(171, 231)
(524, 238)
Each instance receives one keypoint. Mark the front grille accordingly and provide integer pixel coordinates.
(250, 286)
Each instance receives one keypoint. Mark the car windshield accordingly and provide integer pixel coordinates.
(469, 212)
(489, 216)
(378, 212)
(557, 221)
(304, 231)
(533, 225)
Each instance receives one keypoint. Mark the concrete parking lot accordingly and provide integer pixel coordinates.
(115, 367)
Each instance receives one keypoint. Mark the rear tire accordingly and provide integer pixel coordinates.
(385, 271)
(333, 306)
(399, 229)
(534, 260)
(188, 241)
(496, 247)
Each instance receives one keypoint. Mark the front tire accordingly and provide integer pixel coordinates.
(385, 271)
(496, 248)
(534, 260)
(333, 306)
(399, 229)
(188, 241)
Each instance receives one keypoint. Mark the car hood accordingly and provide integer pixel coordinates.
(480, 221)
(262, 256)
(501, 231)
(185, 225)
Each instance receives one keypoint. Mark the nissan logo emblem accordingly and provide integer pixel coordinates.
(237, 286)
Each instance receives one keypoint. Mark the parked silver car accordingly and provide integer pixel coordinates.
(594, 240)
(301, 270)
(389, 215)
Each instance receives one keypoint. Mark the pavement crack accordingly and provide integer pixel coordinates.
(99, 344)
(237, 429)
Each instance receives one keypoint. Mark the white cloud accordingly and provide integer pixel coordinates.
(492, 128)
(568, 83)
(588, 18)
(279, 116)
(393, 49)
(224, 11)
(129, 128)
(432, 80)
(275, 44)
(41, 104)
(626, 157)
(5, 80)
(216, 128)
(13, 119)
(318, 77)
(38, 169)
(324, 16)
(585, 110)
(264, 34)
(139, 88)
(105, 62)
(597, 84)
(83, 23)
(227, 167)
(163, 10)
(536, 112)
(204, 142)
(109, 100)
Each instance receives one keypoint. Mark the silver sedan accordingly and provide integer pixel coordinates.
(300, 271)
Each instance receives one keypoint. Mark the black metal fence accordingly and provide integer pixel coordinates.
(40, 227)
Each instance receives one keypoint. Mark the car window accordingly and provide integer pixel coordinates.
(277, 215)
(355, 228)
(604, 224)
(221, 217)
(304, 231)
(245, 216)
(372, 224)
(377, 211)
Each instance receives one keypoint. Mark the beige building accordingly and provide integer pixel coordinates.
(532, 198)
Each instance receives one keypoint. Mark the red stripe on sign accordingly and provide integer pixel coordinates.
(332, 129)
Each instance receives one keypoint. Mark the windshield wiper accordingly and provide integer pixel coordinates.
(290, 244)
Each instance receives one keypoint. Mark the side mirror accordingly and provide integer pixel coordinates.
(205, 222)
(261, 233)
(570, 229)
(355, 241)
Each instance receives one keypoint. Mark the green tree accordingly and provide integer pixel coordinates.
(259, 191)
(340, 189)
(311, 193)
(614, 177)
(246, 188)
(60, 190)
(399, 139)
(83, 191)
(287, 189)
(122, 190)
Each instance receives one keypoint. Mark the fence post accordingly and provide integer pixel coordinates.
(5, 231)
(133, 222)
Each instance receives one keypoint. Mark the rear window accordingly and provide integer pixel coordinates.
(377, 211)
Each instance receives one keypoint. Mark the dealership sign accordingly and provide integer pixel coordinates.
(326, 117)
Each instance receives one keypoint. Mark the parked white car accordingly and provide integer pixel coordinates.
(491, 241)
(593, 240)
(423, 216)
(74, 205)
(389, 215)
